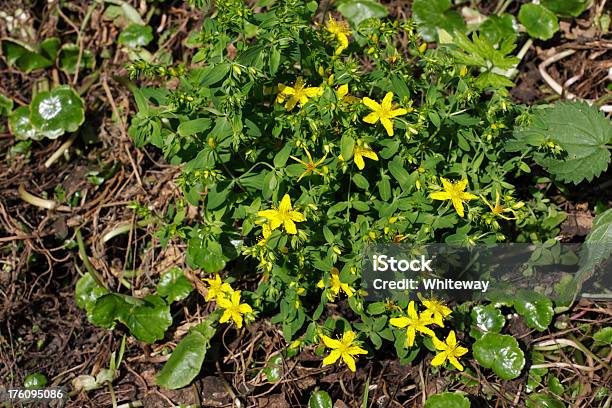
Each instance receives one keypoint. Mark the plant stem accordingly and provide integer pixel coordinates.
(83, 254)
(60, 151)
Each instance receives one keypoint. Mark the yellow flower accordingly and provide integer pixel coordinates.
(233, 308)
(336, 286)
(298, 93)
(450, 351)
(414, 323)
(284, 216)
(454, 192)
(498, 210)
(311, 166)
(340, 31)
(217, 288)
(359, 152)
(383, 112)
(436, 309)
(345, 348)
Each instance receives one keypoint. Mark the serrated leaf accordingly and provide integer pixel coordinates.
(501, 353)
(498, 28)
(447, 400)
(174, 285)
(431, 15)
(597, 247)
(52, 113)
(539, 22)
(356, 11)
(206, 254)
(581, 130)
(535, 308)
(148, 318)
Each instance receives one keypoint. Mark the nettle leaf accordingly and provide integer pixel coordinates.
(535, 308)
(148, 318)
(58, 111)
(136, 36)
(581, 130)
(433, 14)
(539, 21)
(174, 285)
(20, 125)
(566, 8)
(597, 247)
(69, 55)
(320, 399)
(487, 319)
(501, 353)
(447, 400)
(356, 11)
(186, 360)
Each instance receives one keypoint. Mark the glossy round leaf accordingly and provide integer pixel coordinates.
(58, 111)
(320, 399)
(539, 22)
(35, 381)
(501, 353)
(274, 369)
(536, 309)
(185, 362)
(566, 8)
(20, 125)
(174, 285)
(487, 318)
(431, 15)
(136, 36)
(69, 55)
(357, 11)
(447, 400)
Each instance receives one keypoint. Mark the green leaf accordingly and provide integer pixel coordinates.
(35, 381)
(174, 285)
(356, 11)
(361, 181)
(566, 8)
(274, 369)
(539, 22)
(347, 143)
(49, 47)
(535, 308)
(447, 400)
(58, 111)
(433, 14)
(191, 127)
(206, 254)
(544, 401)
(69, 55)
(6, 105)
(603, 336)
(320, 399)
(20, 125)
(136, 36)
(581, 130)
(501, 353)
(86, 292)
(487, 318)
(280, 159)
(498, 28)
(597, 247)
(396, 168)
(185, 362)
(146, 318)
(25, 57)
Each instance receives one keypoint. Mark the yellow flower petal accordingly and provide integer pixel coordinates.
(372, 118)
(439, 359)
(350, 361)
(371, 104)
(331, 343)
(333, 356)
(388, 125)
